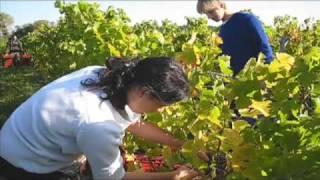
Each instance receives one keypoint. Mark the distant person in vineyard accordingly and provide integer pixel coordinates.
(87, 113)
(14, 45)
(15, 49)
(242, 33)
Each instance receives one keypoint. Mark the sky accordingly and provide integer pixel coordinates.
(27, 11)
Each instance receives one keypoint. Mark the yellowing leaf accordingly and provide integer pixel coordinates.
(217, 40)
(168, 111)
(232, 139)
(189, 55)
(282, 62)
(274, 67)
(240, 125)
(225, 66)
(159, 36)
(73, 66)
(113, 51)
(214, 116)
(202, 136)
(264, 173)
(317, 106)
(286, 60)
(249, 112)
(262, 106)
(193, 38)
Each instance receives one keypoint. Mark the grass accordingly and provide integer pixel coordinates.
(16, 85)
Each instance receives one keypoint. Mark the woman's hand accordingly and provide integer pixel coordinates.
(84, 168)
(185, 172)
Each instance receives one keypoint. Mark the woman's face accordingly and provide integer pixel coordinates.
(141, 101)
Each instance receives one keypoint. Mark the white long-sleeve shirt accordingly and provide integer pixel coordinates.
(62, 121)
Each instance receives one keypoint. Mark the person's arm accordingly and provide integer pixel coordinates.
(148, 176)
(100, 142)
(260, 37)
(151, 132)
(183, 173)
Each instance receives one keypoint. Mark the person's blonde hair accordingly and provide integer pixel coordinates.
(204, 5)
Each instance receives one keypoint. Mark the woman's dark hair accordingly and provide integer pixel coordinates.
(162, 76)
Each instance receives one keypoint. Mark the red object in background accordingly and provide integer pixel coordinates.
(146, 163)
(8, 60)
(26, 59)
(150, 164)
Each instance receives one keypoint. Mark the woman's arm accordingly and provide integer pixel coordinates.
(151, 132)
(183, 173)
(148, 176)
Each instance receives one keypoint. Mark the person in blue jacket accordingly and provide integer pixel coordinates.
(242, 33)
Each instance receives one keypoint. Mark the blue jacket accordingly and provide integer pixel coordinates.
(243, 37)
